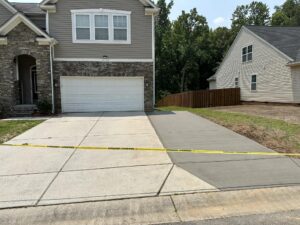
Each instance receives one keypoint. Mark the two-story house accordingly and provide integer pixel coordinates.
(264, 62)
(78, 55)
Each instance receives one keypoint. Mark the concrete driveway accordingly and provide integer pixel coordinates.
(45, 176)
(42, 176)
(185, 130)
(114, 129)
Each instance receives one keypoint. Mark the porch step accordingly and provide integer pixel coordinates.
(24, 110)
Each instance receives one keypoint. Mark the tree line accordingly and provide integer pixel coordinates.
(188, 51)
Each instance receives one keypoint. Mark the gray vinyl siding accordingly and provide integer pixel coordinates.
(296, 84)
(5, 14)
(60, 27)
(274, 77)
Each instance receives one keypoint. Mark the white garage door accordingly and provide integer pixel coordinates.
(96, 94)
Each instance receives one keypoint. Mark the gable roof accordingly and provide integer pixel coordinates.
(28, 8)
(285, 39)
(212, 78)
(16, 20)
(8, 6)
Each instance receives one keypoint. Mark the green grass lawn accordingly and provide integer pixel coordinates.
(275, 134)
(10, 129)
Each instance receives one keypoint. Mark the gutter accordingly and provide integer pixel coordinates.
(293, 64)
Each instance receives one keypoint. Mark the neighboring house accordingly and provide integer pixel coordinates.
(264, 62)
(212, 82)
(79, 55)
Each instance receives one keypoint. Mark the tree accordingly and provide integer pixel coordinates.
(190, 31)
(163, 28)
(280, 19)
(256, 13)
(288, 14)
(188, 52)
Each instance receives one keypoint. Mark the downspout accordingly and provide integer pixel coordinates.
(51, 64)
(153, 58)
(52, 78)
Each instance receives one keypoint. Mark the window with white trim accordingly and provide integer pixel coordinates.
(253, 82)
(236, 82)
(120, 28)
(247, 54)
(101, 26)
(83, 27)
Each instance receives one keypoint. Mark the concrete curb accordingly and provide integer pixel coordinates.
(162, 209)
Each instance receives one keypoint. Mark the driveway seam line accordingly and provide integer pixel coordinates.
(165, 180)
(157, 134)
(234, 160)
(27, 174)
(117, 167)
(160, 138)
(75, 149)
(175, 208)
(47, 188)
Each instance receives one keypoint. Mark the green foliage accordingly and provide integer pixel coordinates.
(255, 13)
(44, 107)
(188, 51)
(280, 19)
(3, 111)
(288, 14)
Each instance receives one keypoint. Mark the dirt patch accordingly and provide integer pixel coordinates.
(290, 114)
(275, 139)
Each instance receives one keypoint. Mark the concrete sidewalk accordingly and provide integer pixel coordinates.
(163, 209)
(185, 130)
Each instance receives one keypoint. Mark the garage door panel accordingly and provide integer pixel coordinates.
(90, 94)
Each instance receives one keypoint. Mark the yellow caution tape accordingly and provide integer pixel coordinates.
(195, 151)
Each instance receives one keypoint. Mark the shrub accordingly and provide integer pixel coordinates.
(44, 107)
(3, 111)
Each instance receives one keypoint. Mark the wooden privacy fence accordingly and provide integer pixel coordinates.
(203, 99)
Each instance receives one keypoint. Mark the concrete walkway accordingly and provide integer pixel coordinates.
(185, 130)
(43, 176)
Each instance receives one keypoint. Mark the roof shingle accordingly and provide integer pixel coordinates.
(28, 8)
(285, 39)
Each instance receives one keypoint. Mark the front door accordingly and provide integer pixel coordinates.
(34, 84)
(27, 79)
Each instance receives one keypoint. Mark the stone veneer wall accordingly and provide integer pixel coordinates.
(22, 41)
(97, 69)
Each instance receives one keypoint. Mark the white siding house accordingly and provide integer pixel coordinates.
(259, 68)
(212, 83)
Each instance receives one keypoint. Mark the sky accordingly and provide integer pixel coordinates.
(217, 12)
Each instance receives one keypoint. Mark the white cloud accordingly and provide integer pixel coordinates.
(219, 21)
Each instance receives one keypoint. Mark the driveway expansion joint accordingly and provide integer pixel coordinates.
(165, 180)
(61, 169)
(175, 209)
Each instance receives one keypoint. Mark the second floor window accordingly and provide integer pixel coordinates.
(83, 27)
(101, 26)
(247, 53)
(120, 28)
